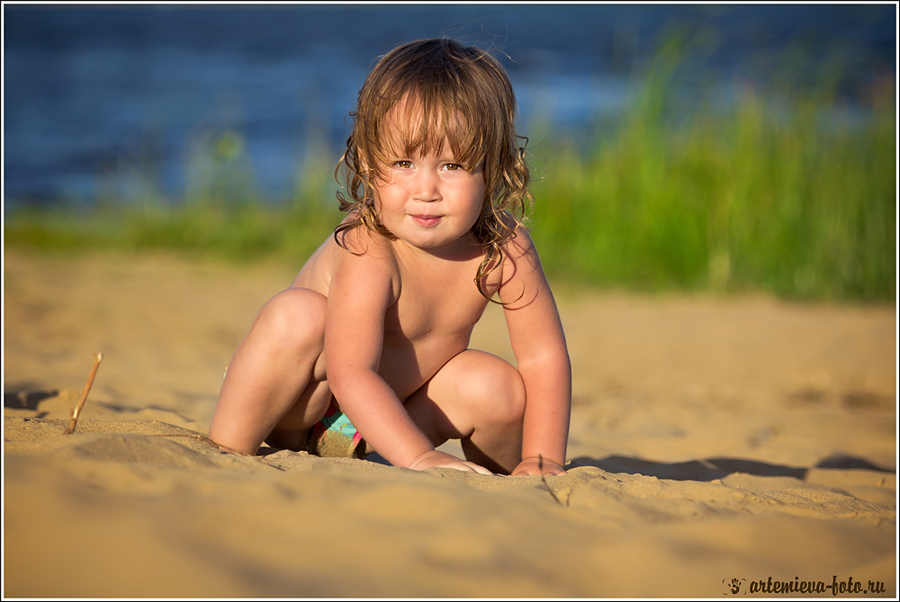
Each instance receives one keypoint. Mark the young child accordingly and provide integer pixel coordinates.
(371, 340)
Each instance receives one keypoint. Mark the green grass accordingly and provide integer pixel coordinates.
(749, 199)
(223, 216)
(729, 203)
(746, 199)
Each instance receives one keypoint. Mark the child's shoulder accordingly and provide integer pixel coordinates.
(519, 243)
(358, 243)
(365, 256)
(346, 250)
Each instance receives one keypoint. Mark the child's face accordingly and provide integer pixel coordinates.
(428, 200)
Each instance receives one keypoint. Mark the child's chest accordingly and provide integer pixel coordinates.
(438, 303)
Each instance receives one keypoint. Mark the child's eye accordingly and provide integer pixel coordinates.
(403, 164)
(454, 167)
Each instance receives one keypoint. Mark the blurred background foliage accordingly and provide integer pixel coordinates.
(759, 192)
(761, 195)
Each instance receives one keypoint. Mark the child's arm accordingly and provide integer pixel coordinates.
(362, 288)
(537, 339)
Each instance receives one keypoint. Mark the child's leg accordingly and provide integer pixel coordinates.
(275, 385)
(478, 398)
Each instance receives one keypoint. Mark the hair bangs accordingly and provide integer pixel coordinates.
(422, 121)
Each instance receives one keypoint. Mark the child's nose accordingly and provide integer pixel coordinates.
(427, 188)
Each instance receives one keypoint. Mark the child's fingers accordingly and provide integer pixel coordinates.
(478, 469)
(437, 459)
(465, 467)
(538, 467)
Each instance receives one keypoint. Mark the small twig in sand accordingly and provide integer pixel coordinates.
(98, 357)
(544, 480)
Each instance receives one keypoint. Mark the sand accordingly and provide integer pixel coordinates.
(720, 447)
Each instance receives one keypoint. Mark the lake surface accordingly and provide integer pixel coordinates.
(95, 92)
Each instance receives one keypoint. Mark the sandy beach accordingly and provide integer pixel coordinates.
(720, 447)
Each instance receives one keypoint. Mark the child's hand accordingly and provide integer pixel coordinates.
(437, 459)
(538, 466)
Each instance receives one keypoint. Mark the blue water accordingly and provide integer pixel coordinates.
(95, 95)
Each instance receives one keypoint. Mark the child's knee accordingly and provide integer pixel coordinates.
(504, 395)
(295, 315)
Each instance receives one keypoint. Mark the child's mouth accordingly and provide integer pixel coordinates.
(426, 220)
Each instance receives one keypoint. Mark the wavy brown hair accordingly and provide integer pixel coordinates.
(460, 94)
